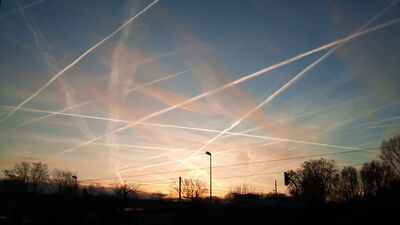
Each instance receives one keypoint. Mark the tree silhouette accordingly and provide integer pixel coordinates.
(316, 181)
(376, 177)
(191, 189)
(244, 194)
(93, 190)
(350, 186)
(28, 176)
(64, 180)
(296, 178)
(125, 190)
(243, 189)
(319, 179)
(39, 174)
(390, 153)
(20, 172)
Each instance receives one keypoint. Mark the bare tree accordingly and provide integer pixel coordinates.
(126, 190)
(390, 153)
(192, 189)
(93, 190)
(296, 178)
(20, 172)
(243, 192)
(376, 177)
(29, 175)
(315, 181)
(39, 174)
(350, 186)
(18, 176)
(65, 180)
(243, 189)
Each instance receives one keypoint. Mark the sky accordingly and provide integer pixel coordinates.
(139, 90)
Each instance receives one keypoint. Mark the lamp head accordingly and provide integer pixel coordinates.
(208, 153)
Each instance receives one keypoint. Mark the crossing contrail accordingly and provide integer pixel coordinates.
(75, 62)
(287, 85)
(21, 8)
(44, 50)
(95, 100)
(231, 84)
(182, 127)
(167, 149)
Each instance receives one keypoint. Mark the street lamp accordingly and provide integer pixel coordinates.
(75, 178)
(208, 153)
(74, 186)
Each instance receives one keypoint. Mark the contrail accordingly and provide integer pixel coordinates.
(154, 165)
(287, 85)
(348, 120)
(32, 27)
(231, 84)
(251, 135)
(76, 61)
(375, 122)
(115, 94)
(182, 127)
(122, 170)
(21, 8)
(44, 49)
(148, 147)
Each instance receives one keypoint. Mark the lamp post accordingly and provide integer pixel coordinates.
(208, 153)
(74, 185)
(75, 179)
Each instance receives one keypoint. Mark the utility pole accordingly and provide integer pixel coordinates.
(276, 193)
(180, 189)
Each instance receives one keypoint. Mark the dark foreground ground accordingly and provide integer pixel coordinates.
(106, 210)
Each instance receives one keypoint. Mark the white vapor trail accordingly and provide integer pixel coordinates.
(348, 120)
(181, 127)
(21, 8)
(44, 49)
(287, 85)
(75, 62)
(153, 165)
(95, 100)
(231, 84)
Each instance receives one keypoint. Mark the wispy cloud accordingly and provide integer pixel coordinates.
(231, 84)
(187, 128)
(44, 49)
(287, 85)
(20, 8)
(76, 61)
(364, 63)
(158, 93)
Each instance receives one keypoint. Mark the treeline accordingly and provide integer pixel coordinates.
(322, 181)
(33, 192)
(37, 178)
(27, 177)
(316, 181)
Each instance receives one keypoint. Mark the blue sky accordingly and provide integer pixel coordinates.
(117, 111)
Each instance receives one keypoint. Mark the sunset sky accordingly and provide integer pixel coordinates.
(135, 90)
